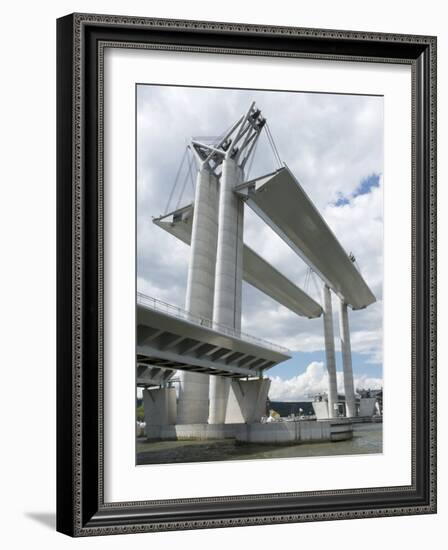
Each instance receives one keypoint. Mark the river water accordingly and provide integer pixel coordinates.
(367, 439)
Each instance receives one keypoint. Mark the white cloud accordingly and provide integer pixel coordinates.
(314, 381)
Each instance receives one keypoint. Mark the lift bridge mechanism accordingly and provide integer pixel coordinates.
(206, 338)
(243, 136)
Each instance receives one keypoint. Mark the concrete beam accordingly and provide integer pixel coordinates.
(235, 357)
(171, 341)
(147, 334)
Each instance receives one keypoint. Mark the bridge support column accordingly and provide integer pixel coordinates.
(159, 405)
(350, 405)
(193, 404)
(229, 275)
(329, 351)
(247, 400)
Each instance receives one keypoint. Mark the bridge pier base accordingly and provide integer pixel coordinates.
(247, 400)
(160, 406)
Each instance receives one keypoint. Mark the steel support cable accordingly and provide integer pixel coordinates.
(181, 194)
(251, 161)
(188, 176)
(191, 160)
(274, 147)
(271, 145)
(176, 181)
(313, 276)
(305, 284)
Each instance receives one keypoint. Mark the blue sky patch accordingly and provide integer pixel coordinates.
(366, 185)
(342, 201)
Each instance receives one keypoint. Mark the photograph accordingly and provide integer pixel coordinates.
(246, 262)
(259, 274)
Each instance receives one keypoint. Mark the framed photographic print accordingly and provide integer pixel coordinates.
(246, 274)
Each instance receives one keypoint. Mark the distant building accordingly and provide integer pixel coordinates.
(296, 408)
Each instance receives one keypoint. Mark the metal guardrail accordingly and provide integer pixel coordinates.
(175, 311)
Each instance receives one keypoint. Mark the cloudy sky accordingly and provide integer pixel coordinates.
(334, 146)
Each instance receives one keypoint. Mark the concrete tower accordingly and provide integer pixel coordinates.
(329, 350)
(229, 275)
(229, 256)
(216, 258)
(350, 405)
(193, 401)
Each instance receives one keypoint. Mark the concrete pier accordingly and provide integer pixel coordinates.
(228, 275)
(160, 406)
(247, 400)
(330, 356)
(193, 403)
(346, 351)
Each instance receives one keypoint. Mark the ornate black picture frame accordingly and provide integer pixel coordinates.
(81, 509)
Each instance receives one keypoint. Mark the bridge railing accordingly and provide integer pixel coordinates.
(178, 312)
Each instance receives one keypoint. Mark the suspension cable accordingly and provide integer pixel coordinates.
(305, 283)
(188, 177)
(181, 194)
(275, 146)
(251, 161)
(191, 160)
(315, 281)
(176, 181)
(272, 142)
